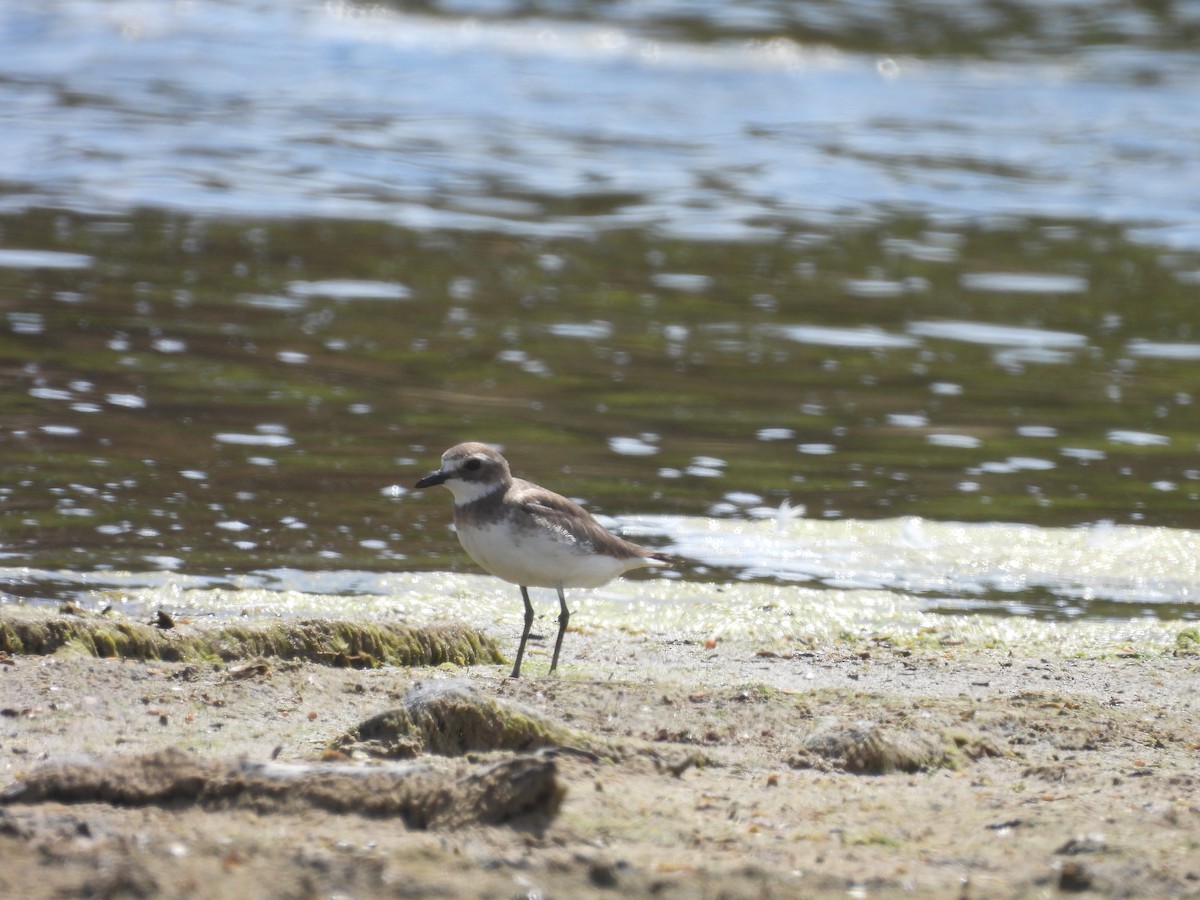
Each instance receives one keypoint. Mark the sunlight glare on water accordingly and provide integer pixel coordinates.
(853, 579)
(1101, 564)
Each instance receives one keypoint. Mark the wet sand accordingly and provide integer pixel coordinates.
(656, 767)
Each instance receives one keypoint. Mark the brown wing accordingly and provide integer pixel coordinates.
(571, 521)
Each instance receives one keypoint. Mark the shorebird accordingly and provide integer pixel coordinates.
(530, 536)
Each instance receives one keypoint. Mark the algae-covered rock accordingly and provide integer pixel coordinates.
(451, 718)
(334, 642)
(870, 749)
(1187, 642)
(39, 633)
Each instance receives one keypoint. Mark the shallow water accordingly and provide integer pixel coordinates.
(1098, 590)
(261, 263)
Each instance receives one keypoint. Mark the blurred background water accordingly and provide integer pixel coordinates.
(703, 265)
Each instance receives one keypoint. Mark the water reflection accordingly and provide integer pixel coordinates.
(141, 422)
(634, 446)
(1138, 438)
(1024, 283)
(999, 335)
(349, 289)
(492, 120)
(1161, 350)
(863, 336)
(14, 258)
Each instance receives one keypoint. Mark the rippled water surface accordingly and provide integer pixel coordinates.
(885, 267)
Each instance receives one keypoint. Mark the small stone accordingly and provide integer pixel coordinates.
(1083, 843)
(1074, 876)
(603, 873)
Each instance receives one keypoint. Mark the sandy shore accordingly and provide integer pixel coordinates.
(690, 771)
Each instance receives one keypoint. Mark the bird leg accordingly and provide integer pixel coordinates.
(563, 618)
(516, 672)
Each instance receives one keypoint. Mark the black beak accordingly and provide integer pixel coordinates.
(431, 479)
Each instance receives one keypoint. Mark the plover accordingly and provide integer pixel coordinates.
(530, 536)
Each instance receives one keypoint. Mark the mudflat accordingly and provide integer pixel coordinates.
(647, 767)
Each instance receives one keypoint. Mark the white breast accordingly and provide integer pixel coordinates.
(538, 558)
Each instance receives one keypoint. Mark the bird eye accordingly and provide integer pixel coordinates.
(472, 465)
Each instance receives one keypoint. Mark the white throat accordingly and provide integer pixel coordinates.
(469, 491)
